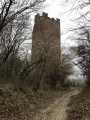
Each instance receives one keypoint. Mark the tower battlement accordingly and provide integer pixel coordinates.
(45, 16)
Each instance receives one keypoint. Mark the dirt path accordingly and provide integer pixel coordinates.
(56, 110)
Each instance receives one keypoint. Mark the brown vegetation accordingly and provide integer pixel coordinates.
(20, 103)
(80, 106)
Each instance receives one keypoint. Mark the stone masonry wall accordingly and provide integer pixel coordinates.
(46, 43)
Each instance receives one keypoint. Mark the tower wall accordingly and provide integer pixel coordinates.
(46, 42)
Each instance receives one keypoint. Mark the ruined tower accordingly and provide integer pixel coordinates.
(45, 44)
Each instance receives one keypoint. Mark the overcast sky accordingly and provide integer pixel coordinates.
(57, 9)
(60, 9)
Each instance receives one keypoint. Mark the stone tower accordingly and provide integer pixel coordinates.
(45, 45)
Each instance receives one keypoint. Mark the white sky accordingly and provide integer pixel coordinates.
(55, 9)
(58, 9)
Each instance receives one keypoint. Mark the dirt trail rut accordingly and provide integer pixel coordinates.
(56, 110)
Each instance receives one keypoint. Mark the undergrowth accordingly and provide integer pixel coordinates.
(80, 105)
(17, 103)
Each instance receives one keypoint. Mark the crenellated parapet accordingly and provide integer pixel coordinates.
(45, 16)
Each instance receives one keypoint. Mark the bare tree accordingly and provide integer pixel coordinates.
(82, 51)
(15, 29)
(12, 38)
(14, 22)
(10, 9)
(81, 35)
(66, 67)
